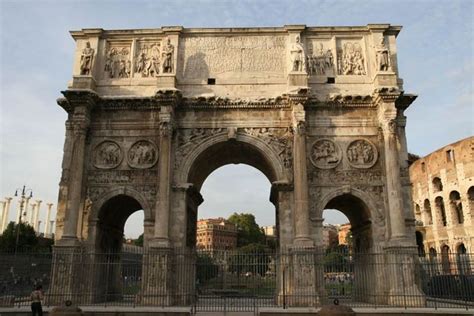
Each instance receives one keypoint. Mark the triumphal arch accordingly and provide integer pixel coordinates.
(152, 112)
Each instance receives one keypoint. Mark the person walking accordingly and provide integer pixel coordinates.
(36, 297)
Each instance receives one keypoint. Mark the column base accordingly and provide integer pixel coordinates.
(303, 242)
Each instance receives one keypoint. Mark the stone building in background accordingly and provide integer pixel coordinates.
(216, 234)
(330, 236)
(443, 197)
(343, 231)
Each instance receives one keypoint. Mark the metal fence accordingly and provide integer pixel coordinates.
(240, 281)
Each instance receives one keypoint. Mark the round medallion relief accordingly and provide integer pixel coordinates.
(325, 154)
(143, 154)
(361, 154)
(107, 155)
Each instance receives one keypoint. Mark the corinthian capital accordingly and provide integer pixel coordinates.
(166, 128)
(389, 126)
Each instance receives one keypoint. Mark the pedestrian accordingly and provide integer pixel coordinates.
(36, 297)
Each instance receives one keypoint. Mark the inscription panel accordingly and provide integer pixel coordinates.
(230, 56)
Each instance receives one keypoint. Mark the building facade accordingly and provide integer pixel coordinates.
(216, 234)
(343, 231)
(443, 197)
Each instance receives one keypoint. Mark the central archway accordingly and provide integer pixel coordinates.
(220, 151)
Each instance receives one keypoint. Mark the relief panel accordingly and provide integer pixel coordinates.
(351, 59)
(148, 59)
(361, 154)
(117, 60)
(320, 59)
(107, 155)
(142, 155)
(325, 154)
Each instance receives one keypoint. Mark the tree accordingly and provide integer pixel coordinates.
(138, 241)
(27, 239)
(251, 258)
(248, 230)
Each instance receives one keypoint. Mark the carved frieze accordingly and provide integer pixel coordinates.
(325, 154)
(280, 139)
(147, 59)
(361, 154)
(350, 58)
(142, 155)
(107, 155)
(117, 61)
(122, 176)
(190, 138)
(320, 60)
(338, 177)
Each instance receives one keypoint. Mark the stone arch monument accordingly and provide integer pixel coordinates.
(152, 112)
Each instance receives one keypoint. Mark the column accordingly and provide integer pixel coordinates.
(79, 105)
(36, 216)
(300, 178)
(31, 220)
(162, 207)
(25, 209)
(48, 218)
(6, 213)
(2, 214)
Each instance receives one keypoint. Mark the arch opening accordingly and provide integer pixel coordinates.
(420, 243)
(217, 157)
(456, 207)
(337, 233)
(428, 214)
(441, 212)
(113, 276)
(437, 185)
(358, 214)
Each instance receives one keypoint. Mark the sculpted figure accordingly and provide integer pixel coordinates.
(383, 56)
(297, 55)
(167, 54)
(86, 59)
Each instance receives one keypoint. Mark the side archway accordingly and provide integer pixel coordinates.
(359, 209)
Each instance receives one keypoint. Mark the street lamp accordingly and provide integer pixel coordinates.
(24, 192)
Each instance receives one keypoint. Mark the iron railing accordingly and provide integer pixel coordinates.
(238, 281)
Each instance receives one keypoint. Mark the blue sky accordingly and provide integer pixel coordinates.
(435, 55)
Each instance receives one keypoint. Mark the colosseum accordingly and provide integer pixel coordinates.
(443, 197)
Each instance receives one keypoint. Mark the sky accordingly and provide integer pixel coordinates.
(435, 59)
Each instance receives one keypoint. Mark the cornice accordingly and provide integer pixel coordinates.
(339, 100)
(78, 97)
(216, 103)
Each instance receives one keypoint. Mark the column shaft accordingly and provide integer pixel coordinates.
(394, 188)
(162, 208)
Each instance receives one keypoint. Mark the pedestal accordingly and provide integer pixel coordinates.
(385, 79)
(298, 79)
(157, 277)
(167, 81)
(83, 82)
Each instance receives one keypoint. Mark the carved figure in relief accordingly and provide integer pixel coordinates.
(352, 60)
(86, 59)
(142, 154)
(325, 154)
(148, 61)
(107, 155)
(117, 63)
(383, 57)
(167, 54)
(361, 153)
(297, 55)
(321, 63)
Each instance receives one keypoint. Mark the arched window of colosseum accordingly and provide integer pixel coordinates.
(437, 185)
(439, 203)
(462, 259)
(417, 209)
(427, 209)
(445, 262)
(456, 206)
